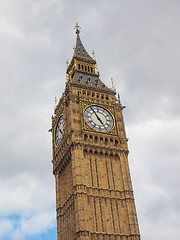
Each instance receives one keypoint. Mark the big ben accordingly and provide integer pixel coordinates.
(94, 195)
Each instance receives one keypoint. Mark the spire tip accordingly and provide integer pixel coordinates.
(77, 28)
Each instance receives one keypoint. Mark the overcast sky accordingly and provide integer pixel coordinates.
(137, 43)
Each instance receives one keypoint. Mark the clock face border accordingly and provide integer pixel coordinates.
(106, 121)
(55, 130)
(110, 109)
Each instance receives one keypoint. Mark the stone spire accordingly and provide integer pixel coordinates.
(80, 50)
(82, 69)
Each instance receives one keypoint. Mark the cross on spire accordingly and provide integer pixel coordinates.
(77, 28)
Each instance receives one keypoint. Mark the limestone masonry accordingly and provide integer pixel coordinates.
(94, 195)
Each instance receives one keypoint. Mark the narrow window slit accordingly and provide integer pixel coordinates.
(113, 217)
(112, 175)
(97, 173)
(107, 175)
(95, 215)
(91, 174)
(101, 216)
(118, 217)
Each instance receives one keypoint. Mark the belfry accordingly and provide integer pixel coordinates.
(94, 195)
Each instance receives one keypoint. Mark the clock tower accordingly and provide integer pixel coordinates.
(94, 195)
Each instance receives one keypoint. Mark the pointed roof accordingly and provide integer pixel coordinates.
(90, 81)
(82, 77)
(80, 50)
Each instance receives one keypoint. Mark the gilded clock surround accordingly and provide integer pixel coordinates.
(110, 109)
(55, 123)
(56, 130)
(94, 195)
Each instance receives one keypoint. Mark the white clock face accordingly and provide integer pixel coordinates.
(60, 128)
(98, 118)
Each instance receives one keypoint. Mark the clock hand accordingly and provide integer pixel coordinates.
(60, 131)
(98, 117)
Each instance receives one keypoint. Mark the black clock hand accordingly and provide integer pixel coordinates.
(60, 131)
(98, 117)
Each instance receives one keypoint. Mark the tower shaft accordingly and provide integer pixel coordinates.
(94, 195)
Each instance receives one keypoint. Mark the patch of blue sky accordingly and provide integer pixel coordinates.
(50, 234)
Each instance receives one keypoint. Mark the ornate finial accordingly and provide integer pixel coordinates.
(55, 101)
(112, 81)
(96, 67)
(93, 53)
(67, 68)
(77, 28)
(118, 97)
